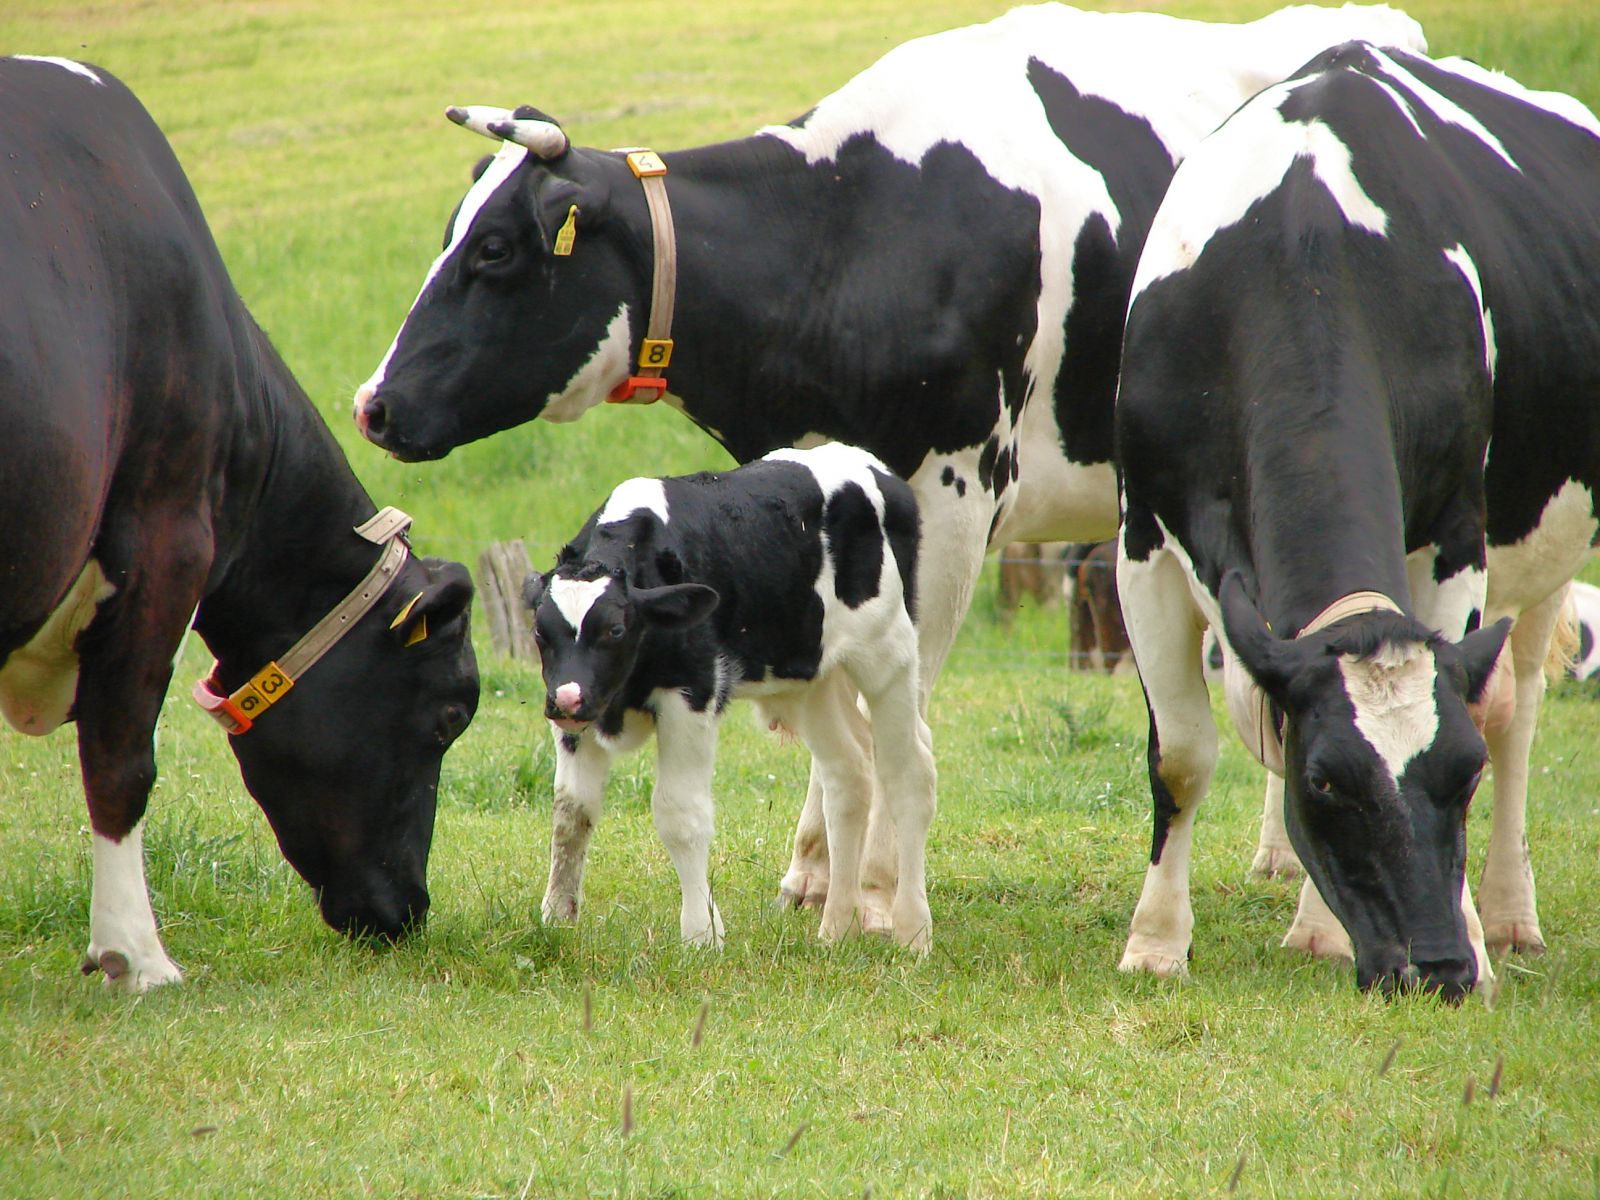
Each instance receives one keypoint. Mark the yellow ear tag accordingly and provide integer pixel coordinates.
(420, 633)
(568, 233)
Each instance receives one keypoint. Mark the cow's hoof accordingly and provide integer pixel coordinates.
(1331, 944)
(1275, 862)
(877, 914)
(915, 933)
(130, 975)
(1155, 962)
(802, 889)
(709, 938)
(560, 910)
(1522, 937)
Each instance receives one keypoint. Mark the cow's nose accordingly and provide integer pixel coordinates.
(569, 698)
(370, 413)
(1451, 978)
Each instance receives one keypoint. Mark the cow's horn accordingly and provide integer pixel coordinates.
(544, 138)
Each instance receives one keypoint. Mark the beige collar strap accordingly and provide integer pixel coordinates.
(655, 351)
(1257, 711)
(238, 712)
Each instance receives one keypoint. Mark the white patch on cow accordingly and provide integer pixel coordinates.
(1524, 573)
(120, 918)
(1401, 104)
(509, 158)
(1245, 161)
(66, 64)
(606, 368)
(1463, 263)
(1392, 692)
(634, 495)
(39, 681)
(1559, 104)
(574, 598)
(834, 465)
(1445, 109)
(1445, 606)
(1187, 76)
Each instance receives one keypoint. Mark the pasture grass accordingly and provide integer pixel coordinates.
(492, 1057)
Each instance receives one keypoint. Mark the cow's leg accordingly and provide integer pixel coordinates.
(805, 883)
(903, 759)
(836, 732)
(1505, 893)
(1315, 930)
(581, 768)
(123, 940)
(686, 750)
(1164, 629)
(1274, 855)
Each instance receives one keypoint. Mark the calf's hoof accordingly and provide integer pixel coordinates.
(131, 974)
(914, 931)
(1522, 937)
(559, 910)
(1159, 963)
(877, 913)
(803, 889)
(1276, 862)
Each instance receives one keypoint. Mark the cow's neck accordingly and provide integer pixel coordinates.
(285, 550)
(1326, 518)
(749, 262)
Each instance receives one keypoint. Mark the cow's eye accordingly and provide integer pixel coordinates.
(1320, 784)
(614, 634)
(492, 251)
(452, 721)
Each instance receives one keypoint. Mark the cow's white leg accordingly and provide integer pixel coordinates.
(836, 733)
(805, 883)
(1164, 628)
(580, 791)
(903, 762)
(1315, 929)
(1505, 893)
(1480, 948)
(686, 750)
(123, 941)
(1274, 855)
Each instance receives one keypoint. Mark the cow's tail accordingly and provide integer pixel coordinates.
(1564, 643)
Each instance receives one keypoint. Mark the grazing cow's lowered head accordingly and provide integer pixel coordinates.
(346, 766)
(591, 626)
(1381, 756)
(526, 249)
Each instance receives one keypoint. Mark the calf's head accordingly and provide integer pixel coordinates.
(529, 309)
(346, 766)
(591, 627)
(1381, 758)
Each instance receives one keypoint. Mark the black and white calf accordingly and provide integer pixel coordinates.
(933, 263)
(783, 581)
(1357, 422)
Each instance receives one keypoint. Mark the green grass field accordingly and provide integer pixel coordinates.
(493, 1058)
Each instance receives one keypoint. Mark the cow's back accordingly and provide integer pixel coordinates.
(111, 299)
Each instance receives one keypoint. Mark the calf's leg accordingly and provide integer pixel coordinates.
(686, 750)
(581, 769)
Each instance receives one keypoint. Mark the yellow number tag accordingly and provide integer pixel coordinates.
(646, 163)
(655, 352)
(568, 233)
(265, 688)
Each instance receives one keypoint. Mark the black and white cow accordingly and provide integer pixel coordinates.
(777, 581)
(1356, 422)
(163, 464)
(932, 263)
(1584, 608)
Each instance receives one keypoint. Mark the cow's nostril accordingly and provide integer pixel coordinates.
(372, 416)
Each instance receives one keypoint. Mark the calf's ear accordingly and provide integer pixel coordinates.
(1267, 657)
(444, 599)
(675, 605)
(533, 589)
(1480, 650)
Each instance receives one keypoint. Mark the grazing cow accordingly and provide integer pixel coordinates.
(1357, 432)
(164, 464)
(932, 263)
(1039, 570)
(1099, 641)
(776, 581)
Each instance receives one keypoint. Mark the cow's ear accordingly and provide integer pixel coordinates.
(569, 200)
(533, 589)
(676, 605)
(1480, 650)
(1265, 655)
(481, 166)
(435, 606)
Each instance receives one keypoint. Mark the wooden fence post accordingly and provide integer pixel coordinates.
(501, 569)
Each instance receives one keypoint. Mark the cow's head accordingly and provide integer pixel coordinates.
(507, 327)
(1381, 758)
(590, 626)
(346, 766)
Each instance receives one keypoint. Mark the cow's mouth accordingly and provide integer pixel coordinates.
(571, 724)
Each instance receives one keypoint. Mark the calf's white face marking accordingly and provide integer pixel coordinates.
(574, 598)
(1393, 695)
(634, 495)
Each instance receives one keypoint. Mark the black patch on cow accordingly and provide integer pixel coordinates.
(1136, 168)
(1004, 471)
(1164, 807)
(855, 544)
(1585, 642)
(949, 478)
(902, 523)
(986, 461)
(1474, 621)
